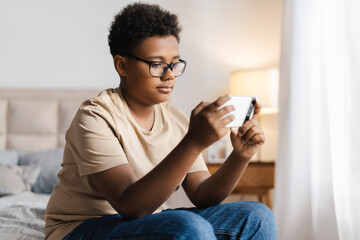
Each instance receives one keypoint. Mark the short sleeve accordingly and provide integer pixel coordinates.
(93, 141)
(198, 165)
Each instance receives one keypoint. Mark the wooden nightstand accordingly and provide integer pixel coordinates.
(257, 179)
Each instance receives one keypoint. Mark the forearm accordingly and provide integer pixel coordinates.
(157, 186)
(204, 129)
(219, 185)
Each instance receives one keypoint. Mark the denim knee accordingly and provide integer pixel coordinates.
(190, 226)
(261, 221)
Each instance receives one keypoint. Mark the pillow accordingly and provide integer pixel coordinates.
(9, 157)
(15, 179)
(50, 163)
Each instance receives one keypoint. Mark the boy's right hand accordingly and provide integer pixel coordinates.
(206, 123)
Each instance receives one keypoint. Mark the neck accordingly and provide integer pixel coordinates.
(143, 114)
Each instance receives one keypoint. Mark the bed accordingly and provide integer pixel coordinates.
(33, 124)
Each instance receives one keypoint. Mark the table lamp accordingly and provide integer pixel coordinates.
(264, 84)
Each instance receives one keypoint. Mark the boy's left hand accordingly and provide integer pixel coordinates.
(249, 138)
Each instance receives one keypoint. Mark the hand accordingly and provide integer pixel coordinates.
(249, 138)
(206, 122)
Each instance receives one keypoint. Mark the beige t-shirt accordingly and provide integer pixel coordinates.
(102, 135)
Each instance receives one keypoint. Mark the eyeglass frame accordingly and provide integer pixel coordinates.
(171, 65)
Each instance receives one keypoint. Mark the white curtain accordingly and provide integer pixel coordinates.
(317, 188)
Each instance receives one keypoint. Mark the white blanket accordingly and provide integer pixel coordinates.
(21, 216)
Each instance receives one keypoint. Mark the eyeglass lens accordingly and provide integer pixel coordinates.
(158, 69)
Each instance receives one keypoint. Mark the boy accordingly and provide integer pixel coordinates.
(127, 151)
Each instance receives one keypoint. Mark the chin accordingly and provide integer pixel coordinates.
(162, 98)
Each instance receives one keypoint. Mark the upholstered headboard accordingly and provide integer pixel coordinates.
(34, 120)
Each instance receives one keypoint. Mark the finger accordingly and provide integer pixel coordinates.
(257, 109)
(226, 120)
(225, 110)
(251, 133)
(257, 139)
(247, 125)
(206, 103)
(199, 107)
(219, 102)
(233, 132)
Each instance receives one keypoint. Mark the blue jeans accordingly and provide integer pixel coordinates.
(237, 220)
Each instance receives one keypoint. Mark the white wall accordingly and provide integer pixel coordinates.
(63, 43)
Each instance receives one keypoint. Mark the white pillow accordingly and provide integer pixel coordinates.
(15, 179)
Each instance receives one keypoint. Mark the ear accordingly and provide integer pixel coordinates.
(120, 65)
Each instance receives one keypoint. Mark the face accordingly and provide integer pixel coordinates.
(137, 83)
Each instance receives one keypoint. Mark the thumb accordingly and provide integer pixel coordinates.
(233, 132)
(257, 109)
(199, 108)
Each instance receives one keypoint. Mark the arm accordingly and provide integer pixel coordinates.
(134, 198)
(205, 190)
(120, 187)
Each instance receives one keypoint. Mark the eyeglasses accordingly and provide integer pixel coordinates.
(159, 68)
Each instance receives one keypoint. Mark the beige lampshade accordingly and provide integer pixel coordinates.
(261, 83)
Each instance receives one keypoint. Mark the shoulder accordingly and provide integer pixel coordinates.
(96, 112)
(101, 105)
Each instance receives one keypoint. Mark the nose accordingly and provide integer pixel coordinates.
(169, 75)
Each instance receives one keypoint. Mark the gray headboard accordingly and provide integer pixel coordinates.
(34, 120)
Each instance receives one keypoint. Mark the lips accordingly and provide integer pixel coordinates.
(165, 88)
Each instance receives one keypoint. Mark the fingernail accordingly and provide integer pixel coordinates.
(228, 96)
(234, 130)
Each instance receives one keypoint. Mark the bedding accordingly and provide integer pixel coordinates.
(21, 216)
(21, 210)
(9, 157)
(33, 123)
(24, 191)
(10, 181)
(16, 179)
(49, 161)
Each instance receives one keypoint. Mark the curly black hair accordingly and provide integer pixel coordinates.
(139, 21)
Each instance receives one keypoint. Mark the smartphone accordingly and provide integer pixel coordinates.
(244, 109)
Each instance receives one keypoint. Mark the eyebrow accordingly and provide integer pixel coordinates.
(162, 58)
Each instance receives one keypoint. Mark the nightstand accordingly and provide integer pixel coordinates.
(257, 179)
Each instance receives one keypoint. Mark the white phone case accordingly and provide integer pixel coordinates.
(244, 109)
